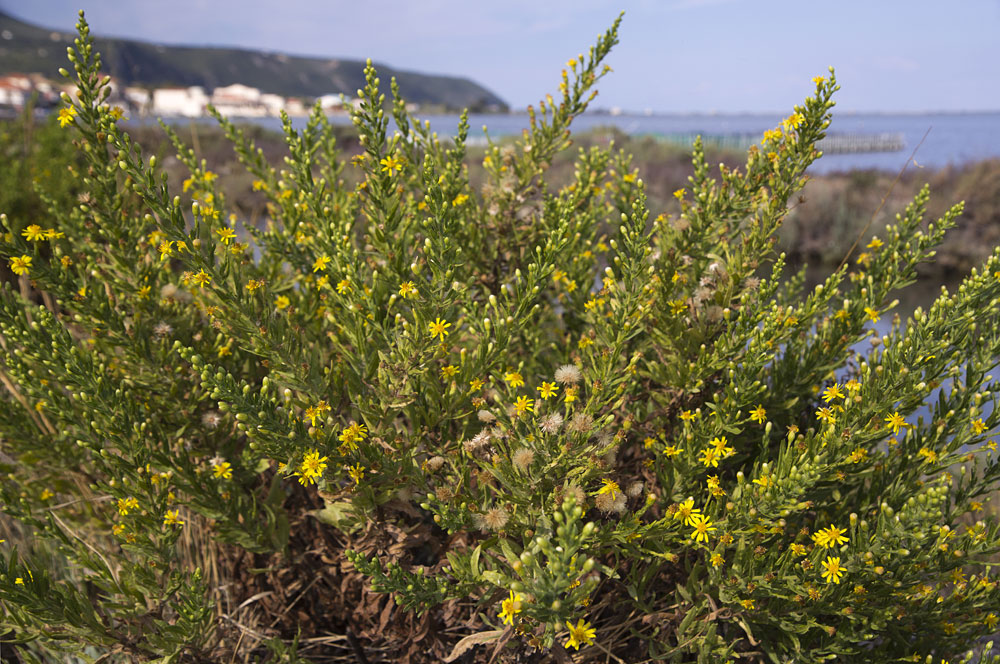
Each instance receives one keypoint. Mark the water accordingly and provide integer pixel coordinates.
(955, 139)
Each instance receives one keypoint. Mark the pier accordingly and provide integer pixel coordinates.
(832, 144)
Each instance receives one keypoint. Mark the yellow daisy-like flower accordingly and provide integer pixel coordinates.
(832, 392)
(523, 404)
(66, 115)
(872, 314)
(978, 426)
(173, 518)
(611, 488)
(895, 421)
(356, 472)
(321, 263)
(513, 379)
(510, 607)
(222, 470)
(390, 164)
(710, 457)
(460, 200)
(439, 328)
(408, 289)
(829, 537)
(312, 467)
(226, 234)
(832, 569)
(758, 414)
(126, 504)
(34, 233)
(581, 634)
(687, 512)
(20, 264)
(702, 527)
(547, 390)
(281, 302)
(201, 278)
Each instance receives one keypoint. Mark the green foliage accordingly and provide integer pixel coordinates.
(626, 433)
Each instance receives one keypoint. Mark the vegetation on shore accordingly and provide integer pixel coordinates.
(510, 413)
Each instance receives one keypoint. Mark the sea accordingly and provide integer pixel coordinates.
(940, 140)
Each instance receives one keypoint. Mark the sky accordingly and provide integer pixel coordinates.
(674, 56)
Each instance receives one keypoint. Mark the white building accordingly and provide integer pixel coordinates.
(239, 100)
(138, 99)
(273, 104)
(14, 90)
(186, 102)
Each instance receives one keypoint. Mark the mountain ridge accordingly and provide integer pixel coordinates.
(28, 48)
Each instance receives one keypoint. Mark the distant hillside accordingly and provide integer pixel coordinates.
(27, 48)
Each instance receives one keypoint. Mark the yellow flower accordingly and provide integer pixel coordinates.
(875, 244)
(611, 488)
(547, 389)
(570, 394)
(510, 607)
(514, 379)
(390, 164)
(717, 560)
(357, 473)
(524, 404)
(20, 264)
(702, 527)
(991, 620)
(687, 512)
(201, 278)
(826, 415)
(832, 570)
(688, 416)
(978, 426)
(254, 284)
(344, 286)
(66, 115)
(459, 200)
(321, 263)
(747, 603)
(439, 328)
(312, 467)
(226, 234)
(672, 451)
(895, 421)
(449, 371)
(166, 248)
(126, 504)
(710, 457)
(758, 414)
(797, 549)
(407, 289)
(222, 470)
(679, 194)
(818, 80)
(33, 233)
(829, 537)
(582, 634)
(476, 384)
(172, 518)
(281, 302)
(872, 314)
(832, 392)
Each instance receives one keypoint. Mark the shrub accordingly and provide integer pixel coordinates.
(544, 419)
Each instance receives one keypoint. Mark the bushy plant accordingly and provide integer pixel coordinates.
(590, 431)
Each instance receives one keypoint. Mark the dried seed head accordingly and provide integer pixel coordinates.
(568, 373)
(551, 423)
(523, 458)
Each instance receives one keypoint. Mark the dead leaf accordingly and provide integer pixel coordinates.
(471, 641)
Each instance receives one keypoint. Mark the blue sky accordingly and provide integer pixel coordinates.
(674, 55)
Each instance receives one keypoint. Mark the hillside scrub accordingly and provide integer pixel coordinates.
(412, 419)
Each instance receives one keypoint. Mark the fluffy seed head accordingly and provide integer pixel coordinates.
(568, 373)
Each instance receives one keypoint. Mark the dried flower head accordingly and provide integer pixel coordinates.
(486, 416)
(568, 374)
(522, 458)
(495, 518)
(551, 423)
(211, 419)
(580, 423)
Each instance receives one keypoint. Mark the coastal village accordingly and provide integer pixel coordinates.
(236, 100)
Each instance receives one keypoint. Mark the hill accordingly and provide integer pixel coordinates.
(28, 48)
